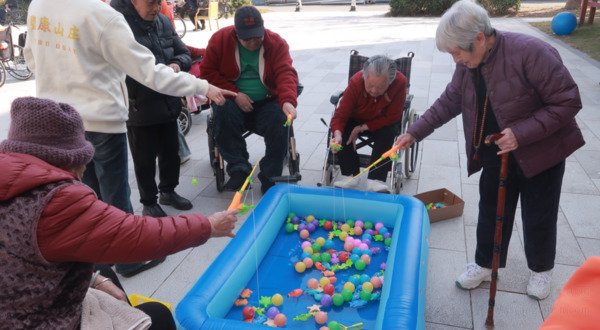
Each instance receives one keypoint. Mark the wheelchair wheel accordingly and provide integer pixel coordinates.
(184, 120)
(16, 67)
(2, 75)
(293, 158)
(412, 153)
(180, 26)
(396, 176)
(216, 162)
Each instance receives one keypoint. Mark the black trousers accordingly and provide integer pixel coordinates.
(349, 160)
(161, 316)
(540, 196)
(146, 144)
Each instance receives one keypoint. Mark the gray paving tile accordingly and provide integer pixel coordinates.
(589, 246)
(512, 310)
(582, 212)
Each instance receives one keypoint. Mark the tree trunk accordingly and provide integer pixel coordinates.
(572, 4)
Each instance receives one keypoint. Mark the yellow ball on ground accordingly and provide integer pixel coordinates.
(300, 267)
(277, 299)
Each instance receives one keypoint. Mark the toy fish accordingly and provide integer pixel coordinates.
(328, 273)
(295, 293)
(357, 303)
(241, 302)
(246, 293)
(319, 266)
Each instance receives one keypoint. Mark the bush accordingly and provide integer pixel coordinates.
(235, 4)
(438, 7)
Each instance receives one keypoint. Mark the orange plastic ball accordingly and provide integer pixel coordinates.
(308, 262)
(304, 233)
(280, 319)
(313, 283)
(321, 317)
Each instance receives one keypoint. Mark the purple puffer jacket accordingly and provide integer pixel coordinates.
(530, 91)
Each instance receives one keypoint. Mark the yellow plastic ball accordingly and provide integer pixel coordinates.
(308, 249)
(367, 286)
(300, 267)
(310, 218)
(324, 281)
(277, 299)
(320, 241)
(346, 228)
(350, 286)
(343, 235)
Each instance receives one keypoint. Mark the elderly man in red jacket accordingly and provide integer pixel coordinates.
(256, 63)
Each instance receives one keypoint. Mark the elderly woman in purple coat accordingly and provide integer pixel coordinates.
(516, 85)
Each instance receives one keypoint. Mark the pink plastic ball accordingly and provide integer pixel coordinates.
(376, 281)
(313, 283)
(358, 230)
(359, 223)
(321, 318)
(280, 319)
(348, 246)
(363, 246)
(308, 262)
(366, 259)
(324, 328)
(305, 244)
(357, 242)
(304, 233)
(378, 225)
(349, 239)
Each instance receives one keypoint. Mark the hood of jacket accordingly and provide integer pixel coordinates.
(22, 172)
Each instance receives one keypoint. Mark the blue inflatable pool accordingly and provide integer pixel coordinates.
(402, 301)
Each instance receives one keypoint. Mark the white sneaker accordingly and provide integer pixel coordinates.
(343, 182)
(185, 159)
(378, 186)
(538, 287)
(473, 277)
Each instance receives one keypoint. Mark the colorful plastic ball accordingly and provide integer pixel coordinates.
(277, 299)
(321, 317)
(344, 256)
(358, 230)
(338, 300)
(376, 282)
(305, 244)
(316, 258)
(343, 235)
(325, 257)
(324, 281)
(349, 286)
(316, 222)
(348, 246)
(354, 280)
(386, 235)
(295, 220)
(301, 227)
(280, 319)
(366, 259)
(388, 241)
(328, 225)
(272, 312)
(368, 252)
(564, 23)
(320, 241)
(308, 262)
(304, 233)
(365, 295)
(305, 255)
(248, 312)
(378, 225)
(311, 228)
(367, 286)
(345, 228)
(324, 328)
(328, 244)
(289, 227)
(300, 267)
(382, 230)
(308, 249)
(326, 300)
(365, 236)
(354, 257)
(360, 264)
(310, 218)
(368, 225)
(313, 283)
(350, 222)
(357, 250)
(359, 223)
(291, 215)
(333, 325)
(316, 247)
(364, 278)
(328, 289)
(347, 294)
(366, 241)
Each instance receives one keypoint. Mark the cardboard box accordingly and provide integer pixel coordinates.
(454, 205)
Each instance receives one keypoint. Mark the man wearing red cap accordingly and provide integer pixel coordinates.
(255, 63)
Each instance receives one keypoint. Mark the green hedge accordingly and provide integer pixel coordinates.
(438, 7)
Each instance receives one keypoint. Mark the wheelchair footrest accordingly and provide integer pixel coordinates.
(287, 178)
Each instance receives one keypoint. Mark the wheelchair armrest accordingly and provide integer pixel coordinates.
(299, 88)
(335, 97)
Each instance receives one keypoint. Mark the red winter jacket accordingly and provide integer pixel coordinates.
(221, 64)
(377, 112)
(75, 226)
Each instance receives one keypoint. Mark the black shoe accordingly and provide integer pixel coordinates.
(129, 270)
(235, 182)
(153, 210)
(176, 201)
(266, 183)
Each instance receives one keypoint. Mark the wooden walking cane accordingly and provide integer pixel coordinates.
(489, 322)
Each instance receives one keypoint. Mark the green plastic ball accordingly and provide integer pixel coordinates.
(347, 294)
(316, 258)
(333, 325)
(388, 241)
(291, 215)
(289, 227)
(325, 257)
(350, 222)
(360, 264)
(368, 225)
(338, 300)
(365, 295)
(316, 247)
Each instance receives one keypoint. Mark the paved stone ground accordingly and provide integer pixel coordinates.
(320, 42)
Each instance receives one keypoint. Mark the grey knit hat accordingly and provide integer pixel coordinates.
(47, 130)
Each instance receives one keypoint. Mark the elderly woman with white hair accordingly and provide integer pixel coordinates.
(373, 101)
(517, 85)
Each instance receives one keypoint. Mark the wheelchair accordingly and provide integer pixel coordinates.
(292, 159)
(406, 164)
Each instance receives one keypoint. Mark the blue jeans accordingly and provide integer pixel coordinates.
(266, 120)
(107, 173)
(184, 149)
